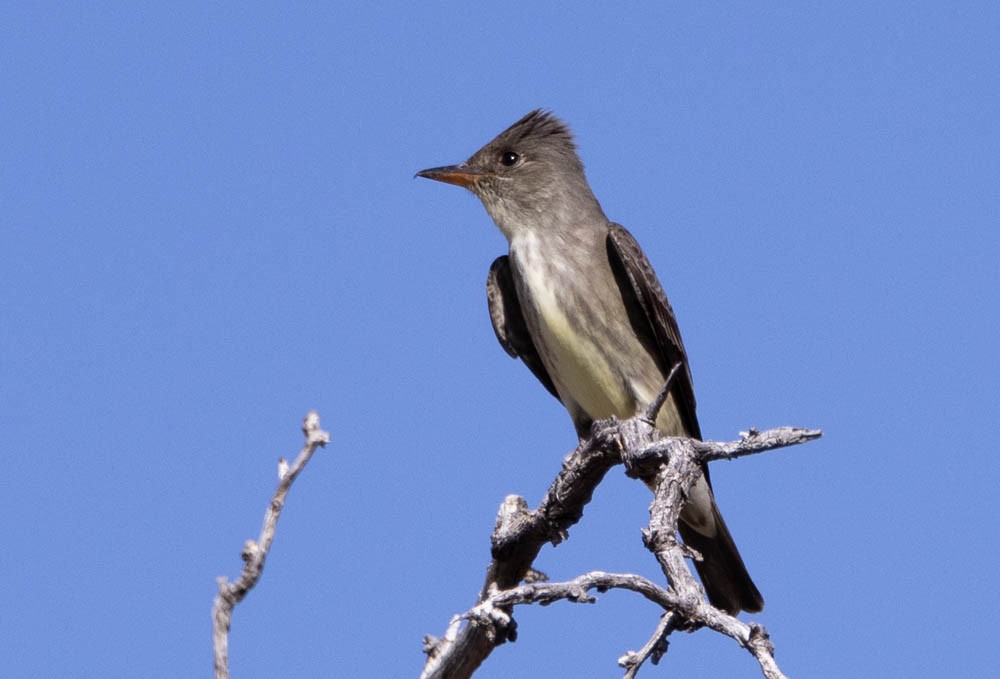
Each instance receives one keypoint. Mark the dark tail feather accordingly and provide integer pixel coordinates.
(721, 569)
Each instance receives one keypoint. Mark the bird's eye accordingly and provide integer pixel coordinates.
(508, 158)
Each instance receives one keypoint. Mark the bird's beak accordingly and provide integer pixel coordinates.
(460, 175)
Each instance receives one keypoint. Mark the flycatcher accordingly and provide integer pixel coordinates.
(578, 302)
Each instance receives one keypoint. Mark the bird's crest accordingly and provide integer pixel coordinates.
(539, 124)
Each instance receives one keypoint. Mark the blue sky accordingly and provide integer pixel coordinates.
(209, 226)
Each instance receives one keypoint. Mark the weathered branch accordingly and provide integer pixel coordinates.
(574, 590)
(644, 450)
(520, 534)
(255, 552)
(679, 468)
(654, 649)
(493, 614)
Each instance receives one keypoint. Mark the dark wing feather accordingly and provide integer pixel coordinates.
(508, 321)
(638, 283)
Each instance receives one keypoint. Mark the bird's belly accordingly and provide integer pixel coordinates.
(585, 339)
(578, 342)
(581, 368)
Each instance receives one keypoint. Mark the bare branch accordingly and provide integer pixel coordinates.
(255, 552)
(575, 591)
(654, 649)
(753, 442)
(520, 534)
(493, 613)
(653, 410)
(646, 450)
(678, 473)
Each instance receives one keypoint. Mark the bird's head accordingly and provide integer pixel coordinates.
(528, 177)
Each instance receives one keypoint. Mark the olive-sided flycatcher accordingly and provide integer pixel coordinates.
(578, 302)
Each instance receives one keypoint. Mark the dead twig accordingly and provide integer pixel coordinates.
(255, 551)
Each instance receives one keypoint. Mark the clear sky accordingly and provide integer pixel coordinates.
(209, 225)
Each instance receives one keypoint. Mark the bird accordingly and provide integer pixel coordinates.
(578, 302)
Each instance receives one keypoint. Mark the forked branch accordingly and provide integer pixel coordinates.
(521, 532)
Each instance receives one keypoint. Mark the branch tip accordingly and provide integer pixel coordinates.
(653, 409)
(311, 429)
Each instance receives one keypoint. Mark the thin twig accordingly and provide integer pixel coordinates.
(255, 552)
(653, 409)
(654, 649)
(752, 442)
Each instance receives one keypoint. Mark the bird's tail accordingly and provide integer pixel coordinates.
(721, 569)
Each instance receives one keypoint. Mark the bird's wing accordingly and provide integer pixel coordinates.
(640, 287)
(508, 321)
